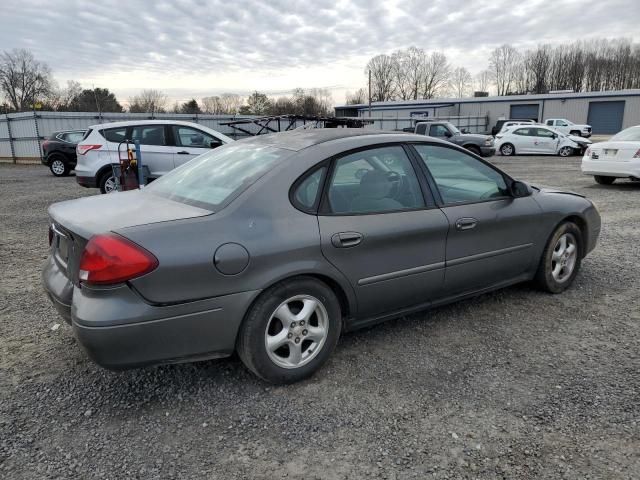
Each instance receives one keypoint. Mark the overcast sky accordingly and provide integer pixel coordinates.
(202, 47)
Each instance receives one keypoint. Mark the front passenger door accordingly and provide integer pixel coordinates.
(491, 234)
(191, 142)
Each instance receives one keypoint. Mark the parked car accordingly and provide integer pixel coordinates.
(165, 144)
(478, 144)
(539, 140)
(569, 128)
(59, 151)
(513, 123)
(617, 158)
(274, 245)
(500, 123)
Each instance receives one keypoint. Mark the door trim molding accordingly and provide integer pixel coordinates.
(492, 253)
(400, 273)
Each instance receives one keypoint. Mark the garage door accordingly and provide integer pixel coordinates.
(525, 112)
(606, 117)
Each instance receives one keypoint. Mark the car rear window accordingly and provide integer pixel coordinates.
(87, 133)
(629, 135)
(214, 179)
(116, 135)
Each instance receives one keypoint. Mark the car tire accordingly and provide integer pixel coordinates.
(602, 180)
(575, 133)
(293, 356)
(473, 149)
(58, 166)
(107, 182)
(561, 259)
(565, 151)
(507, 150)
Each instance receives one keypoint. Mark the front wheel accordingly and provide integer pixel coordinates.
(473, 149)
(58, 167)
(561, 259)
(507, 150)
(575, 133)
(291, 330)
(565, 151)
(604, 180)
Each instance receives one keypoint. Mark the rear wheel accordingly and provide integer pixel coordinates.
(58, 166)
(107, 182)
(576, 133)
(290, 331)
(604, 180)
(507, 150)
(565, 151)
(561, 259)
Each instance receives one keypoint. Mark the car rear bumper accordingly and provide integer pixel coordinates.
(609, 168)
(120, 330)
(89, 182)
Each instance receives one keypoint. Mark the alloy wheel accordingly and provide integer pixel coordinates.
(565, 151)
(57, 167)
(110, 185)
(563, 258)
(296, 331)
(506, 150)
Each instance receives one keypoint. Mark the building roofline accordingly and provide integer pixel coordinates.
(505, 98)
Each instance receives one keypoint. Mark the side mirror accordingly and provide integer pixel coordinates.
(215, 143)
(520, 189)
(464, 130)
(448, 134)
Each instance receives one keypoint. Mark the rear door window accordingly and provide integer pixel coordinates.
(149, 134)
(115, 135)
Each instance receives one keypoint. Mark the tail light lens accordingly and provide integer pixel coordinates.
(110, 258)
(588, 152)
(82, 149)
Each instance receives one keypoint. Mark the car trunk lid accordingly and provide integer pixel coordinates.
(614, 151)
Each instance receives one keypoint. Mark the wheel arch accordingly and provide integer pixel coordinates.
(581, 223)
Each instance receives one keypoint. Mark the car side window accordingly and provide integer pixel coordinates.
(306, 193)
(73, 137)
(543, 132)
(421, 129)
(525, 132)
(461, 178)
(116, 135)
(550, 123)
(149, 134)
(190, 137)
(438, 131)
(376, 180)
(561, 123)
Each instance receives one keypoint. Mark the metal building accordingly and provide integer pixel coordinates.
(606, 112)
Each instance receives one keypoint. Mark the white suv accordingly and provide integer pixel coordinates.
(164, 145)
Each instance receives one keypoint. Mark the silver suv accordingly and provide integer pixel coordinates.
(164, 144)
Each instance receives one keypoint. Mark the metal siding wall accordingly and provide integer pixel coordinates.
(576, 110)
(631, 112)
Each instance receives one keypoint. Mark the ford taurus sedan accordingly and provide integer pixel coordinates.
(275, 245)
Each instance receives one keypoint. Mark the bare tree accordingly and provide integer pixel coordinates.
(382, 77)
(409, 67)
(503, 62)
(483, 81)
(230, 103)
(148, 101)
(435, 76)
(461, 82)
(357, 98)
(23, 79)
(212, 105)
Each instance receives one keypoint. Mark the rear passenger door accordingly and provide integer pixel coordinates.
(191, 142)
(157, 154)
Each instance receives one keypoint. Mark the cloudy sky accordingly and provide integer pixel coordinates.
(203, 47)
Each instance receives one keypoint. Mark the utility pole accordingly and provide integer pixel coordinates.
(369, 93)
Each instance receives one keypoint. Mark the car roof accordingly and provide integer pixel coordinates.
(297, 140)
(143, 122)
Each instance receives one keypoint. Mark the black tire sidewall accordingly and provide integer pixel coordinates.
(544, 276)
(473, 149)
(103, 179)
(603, 180)
(513, 150)
(250, 343)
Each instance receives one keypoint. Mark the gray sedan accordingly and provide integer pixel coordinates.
(275, 245)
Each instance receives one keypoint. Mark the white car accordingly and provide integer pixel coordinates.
(569, 128)
(619, 157)
(539, 140)
(512, 123)
(164, 145)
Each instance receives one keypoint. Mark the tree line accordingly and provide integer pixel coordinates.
(581, 66)
(27, 84)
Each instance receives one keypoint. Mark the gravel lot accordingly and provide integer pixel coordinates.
(514, 384)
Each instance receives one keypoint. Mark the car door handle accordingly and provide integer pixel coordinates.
(183, 153)
(346, 239)
(466, 223)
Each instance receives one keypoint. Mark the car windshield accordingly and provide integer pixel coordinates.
(629, 135)
(214, 179)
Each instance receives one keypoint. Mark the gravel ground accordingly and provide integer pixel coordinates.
(514, 384)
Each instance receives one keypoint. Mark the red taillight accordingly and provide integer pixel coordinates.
(82, 149)
(111, 259)
(637, 155)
